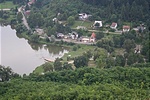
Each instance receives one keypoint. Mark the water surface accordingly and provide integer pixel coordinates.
(23, 56)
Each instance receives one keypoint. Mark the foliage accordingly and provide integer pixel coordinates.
(6, 73)
(58, 65)
(47, 67)
(19, 17)
(34, 38)
(80, 61)
(70, 20)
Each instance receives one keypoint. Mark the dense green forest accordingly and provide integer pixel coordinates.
(106, 10)
(132, 82)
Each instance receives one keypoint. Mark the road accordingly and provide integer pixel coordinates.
(5, 9)
(24, 18)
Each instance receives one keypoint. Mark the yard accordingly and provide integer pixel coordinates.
(78, 52)
(86, 24)
(7, 5)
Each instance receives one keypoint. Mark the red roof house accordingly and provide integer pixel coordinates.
(126, 28)
(113, 25)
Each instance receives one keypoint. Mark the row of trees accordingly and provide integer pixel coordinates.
(6, 73)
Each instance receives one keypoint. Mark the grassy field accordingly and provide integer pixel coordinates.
(78, 52)
(86, 24)
(7, 5)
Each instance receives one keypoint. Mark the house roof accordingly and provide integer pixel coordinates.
(27, 12)
(93, 35)
(126, 27)
(113, 24)
(100, 23)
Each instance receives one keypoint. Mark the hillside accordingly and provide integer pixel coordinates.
(81, 84)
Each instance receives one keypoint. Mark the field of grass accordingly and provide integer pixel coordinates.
(78, 52)
(7, 5)
(86, 24)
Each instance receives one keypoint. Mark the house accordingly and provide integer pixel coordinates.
(84, 16)
(60, 35)
(126, 28)
(27, 13)
(31, 2)
(85, 39)
(55, 20)
(39, 31)
(113, 25)
(97, 24)
(93, 37)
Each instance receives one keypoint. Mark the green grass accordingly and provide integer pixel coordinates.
(7, 5)
(38, 70)
(86, 24)
(78, 52)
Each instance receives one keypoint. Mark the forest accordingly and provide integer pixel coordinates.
(86, 83)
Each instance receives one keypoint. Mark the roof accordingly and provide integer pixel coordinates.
(93, 35)
(126, 27)
(27, 12)
(100, 23)
(113, 24)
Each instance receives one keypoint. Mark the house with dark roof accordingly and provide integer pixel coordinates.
(97, 24)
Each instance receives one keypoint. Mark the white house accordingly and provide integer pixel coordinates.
(126, 28)
(97, 24)
(84, 16)
(113, 25)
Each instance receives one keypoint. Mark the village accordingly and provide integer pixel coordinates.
(74, 37)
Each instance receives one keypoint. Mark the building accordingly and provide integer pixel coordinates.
(113, 25)
(126, 28)
(97, 24)
(84, 16)
(93, 37)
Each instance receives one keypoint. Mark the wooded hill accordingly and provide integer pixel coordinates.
(109, 10)
(82, 84)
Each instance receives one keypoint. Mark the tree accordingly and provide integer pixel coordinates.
(120, 60)
(110, 62)
(5, 73)
(34, 38)
(132, 58)
(71, 20)
(128, 45)
(19, 17)
(99, 35)
(100, 62)
(47, 67)
(80, 61)
(58, 65)
(67, 66)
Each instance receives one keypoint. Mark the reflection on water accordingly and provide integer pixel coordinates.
(24, 56)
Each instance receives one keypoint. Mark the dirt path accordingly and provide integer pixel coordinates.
(24, 18)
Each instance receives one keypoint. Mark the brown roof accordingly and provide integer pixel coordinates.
(126, 27)
(113, 24)
(93, 35)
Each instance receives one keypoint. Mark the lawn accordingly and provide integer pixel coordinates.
(78, 52)
(7, 5)
(86, 24)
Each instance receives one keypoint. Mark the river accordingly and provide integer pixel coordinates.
(22, 56)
